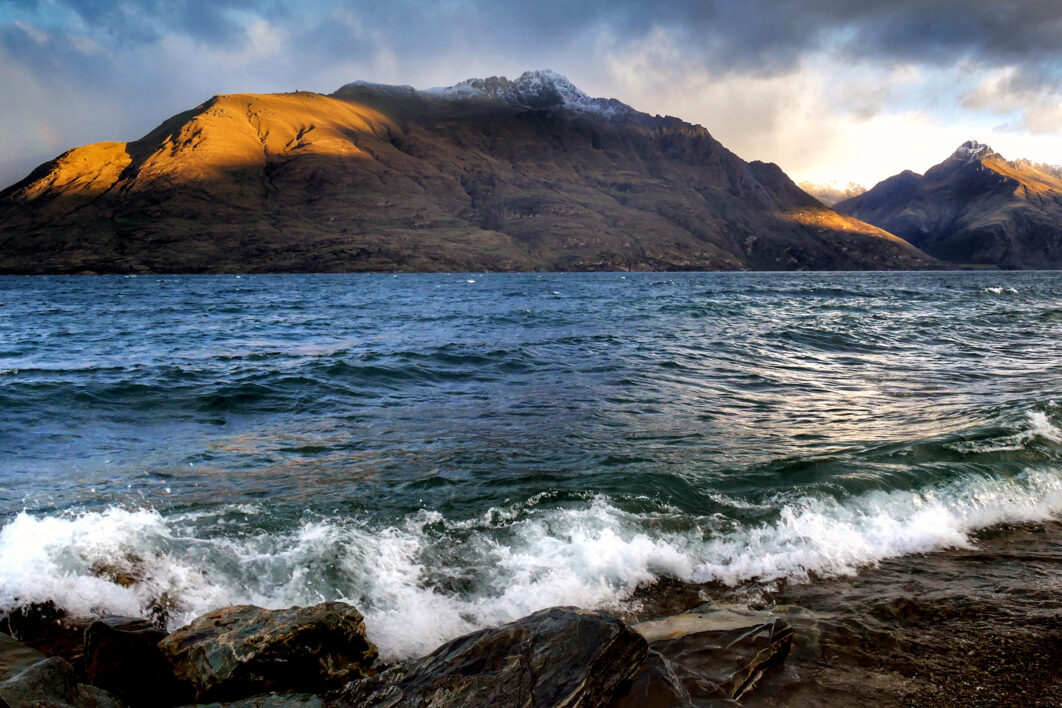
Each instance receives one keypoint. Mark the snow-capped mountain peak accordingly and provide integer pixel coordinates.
(540, 90)
(972, 150)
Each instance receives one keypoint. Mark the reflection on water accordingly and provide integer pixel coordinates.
(448, 453)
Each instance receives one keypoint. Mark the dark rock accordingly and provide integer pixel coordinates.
(16, 657)
(271, 700)
(51, 680)
(95, 697)
(730, 648)
(236, 652)
(562, 656)
(47, 628)
(30, 620)
(28, 679)
(661, 683)
(122, 656)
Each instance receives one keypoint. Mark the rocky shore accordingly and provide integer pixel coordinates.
(967, 627)
(250, 657)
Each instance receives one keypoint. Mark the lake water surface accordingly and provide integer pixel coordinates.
(452, 451)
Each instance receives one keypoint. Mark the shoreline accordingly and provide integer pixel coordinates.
(977, 626)
(970, 626)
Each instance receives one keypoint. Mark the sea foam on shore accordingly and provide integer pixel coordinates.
(428, 579)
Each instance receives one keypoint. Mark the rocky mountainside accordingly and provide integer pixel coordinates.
(975, 207)
(832, 193)
(489, 174)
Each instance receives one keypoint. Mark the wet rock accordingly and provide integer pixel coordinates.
(30, 679)
(31, 619)
(660, 683)
(122, 657)
(125, 572)
(16, 657)
(47, 628)
(562, 656)
(49, 680)
(240, 651)
(729, 648)
(271, 700)
(95, 697)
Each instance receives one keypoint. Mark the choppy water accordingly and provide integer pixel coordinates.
(449, 451)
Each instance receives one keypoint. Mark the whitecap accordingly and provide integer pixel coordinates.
(428, 579)
(1037, 425)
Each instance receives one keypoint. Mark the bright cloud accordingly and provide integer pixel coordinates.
(828, 89)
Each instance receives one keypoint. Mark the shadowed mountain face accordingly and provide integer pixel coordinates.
(975, 207)
(490, 174)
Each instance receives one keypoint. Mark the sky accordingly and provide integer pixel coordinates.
(831, 90)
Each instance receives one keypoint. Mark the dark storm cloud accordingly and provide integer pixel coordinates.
(746, 34)
(153, 55)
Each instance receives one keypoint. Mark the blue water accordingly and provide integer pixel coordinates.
(453, 450)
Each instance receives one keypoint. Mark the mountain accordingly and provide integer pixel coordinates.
(832, 193)
(490, 174)
(975, 207)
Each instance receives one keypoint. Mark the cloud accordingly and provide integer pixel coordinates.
(127, 22)
(1034, 107)
(789, 80)
(765, 34)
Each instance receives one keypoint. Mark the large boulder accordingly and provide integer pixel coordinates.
(712, 656)
(240, 651)
(122, 656)
(48, 628)
(28, 679)
(562, 656)
(661, 683)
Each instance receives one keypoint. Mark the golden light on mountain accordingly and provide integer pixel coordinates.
(490, 174)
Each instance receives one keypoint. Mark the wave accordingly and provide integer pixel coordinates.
(1038, 426)
(276, 383)
(428, 578)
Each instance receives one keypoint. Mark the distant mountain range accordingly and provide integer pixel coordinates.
(973, 208)
(830, 193)
(489, 174)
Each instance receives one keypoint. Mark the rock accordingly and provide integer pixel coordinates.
(236, 652)
(47, 628)
(28, 679)
(562, 656)
(730, 648)
(16, 656)
(122, 657)
(660, 683)
(95, 697)
(30, 620)
(271, 700)
(51, 680)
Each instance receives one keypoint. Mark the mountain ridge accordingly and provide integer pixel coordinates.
(497, 175)
(974, 207)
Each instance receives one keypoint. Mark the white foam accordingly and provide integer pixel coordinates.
(999, 290)
(426, 580)
(1038, 425)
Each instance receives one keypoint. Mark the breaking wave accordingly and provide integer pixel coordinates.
(428, 579)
